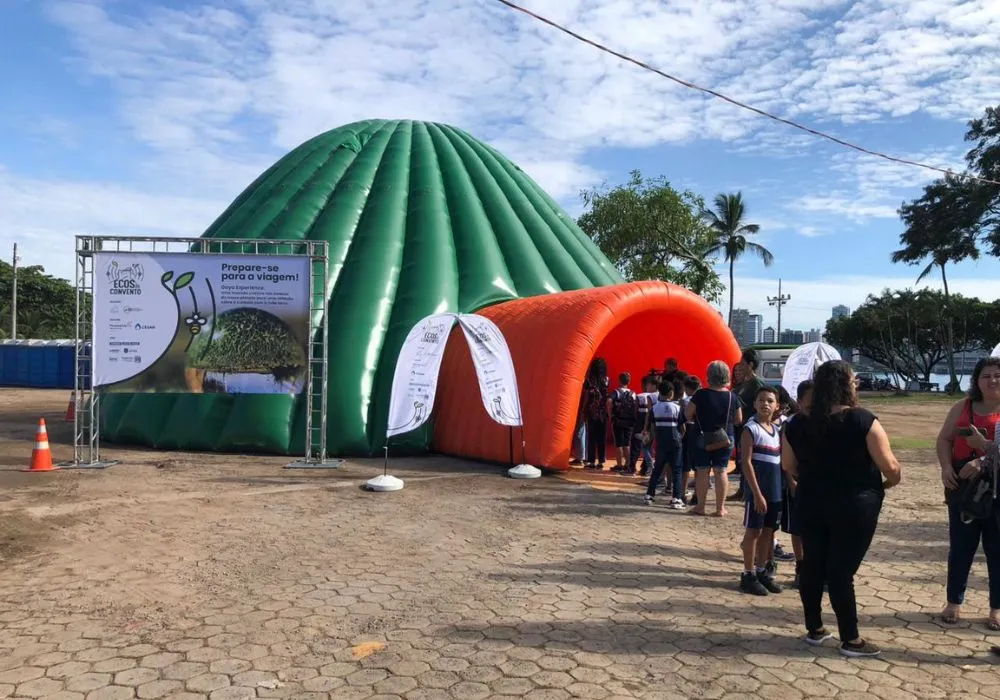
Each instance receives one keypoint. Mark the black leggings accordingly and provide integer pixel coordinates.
(837, 529)
(597, 440)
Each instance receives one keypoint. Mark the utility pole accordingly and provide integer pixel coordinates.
(779, 301)
(13, 299)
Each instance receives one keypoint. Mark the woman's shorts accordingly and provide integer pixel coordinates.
(717, 459)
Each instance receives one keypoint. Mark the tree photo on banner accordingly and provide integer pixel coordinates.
(186, 322)
(414, 382)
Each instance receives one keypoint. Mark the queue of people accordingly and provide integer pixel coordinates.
(815, 467)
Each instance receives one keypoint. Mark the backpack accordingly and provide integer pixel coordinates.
(595, 401)
(625, 408)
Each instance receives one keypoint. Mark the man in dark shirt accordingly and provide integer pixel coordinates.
(751, 384)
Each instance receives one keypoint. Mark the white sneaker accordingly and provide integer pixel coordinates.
(649, 500)
(677, 504)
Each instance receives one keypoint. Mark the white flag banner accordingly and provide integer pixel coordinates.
(494, 369)
(414, 383)
(996, 352)
(802, 363)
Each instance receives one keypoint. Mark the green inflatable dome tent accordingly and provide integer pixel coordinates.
(420, 218)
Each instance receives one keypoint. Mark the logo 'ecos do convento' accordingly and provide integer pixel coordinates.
(125, 280)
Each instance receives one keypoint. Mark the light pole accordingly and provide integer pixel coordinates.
(13, 299)
(779, 301)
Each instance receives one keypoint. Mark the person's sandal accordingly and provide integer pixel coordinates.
(950, 617)
(993, 623)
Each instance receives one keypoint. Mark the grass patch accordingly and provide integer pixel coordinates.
(912, 443)
(933, 397)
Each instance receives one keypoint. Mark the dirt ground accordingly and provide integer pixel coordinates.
(193, 575)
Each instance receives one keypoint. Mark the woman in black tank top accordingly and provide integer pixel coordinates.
(840, 457)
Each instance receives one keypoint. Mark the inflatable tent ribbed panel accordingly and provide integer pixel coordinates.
(420, 217)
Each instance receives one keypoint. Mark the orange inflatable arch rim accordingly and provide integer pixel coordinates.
(552, 339)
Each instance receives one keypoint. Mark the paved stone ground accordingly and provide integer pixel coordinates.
(190, 577)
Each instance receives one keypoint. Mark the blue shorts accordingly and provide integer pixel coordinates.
(717, 459)
(752, 520)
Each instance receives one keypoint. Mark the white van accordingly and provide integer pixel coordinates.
(772, 361)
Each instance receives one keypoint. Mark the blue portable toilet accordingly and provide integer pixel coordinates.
(42, 364)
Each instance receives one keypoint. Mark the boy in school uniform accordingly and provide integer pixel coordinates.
(624, 412)
(688, 442)
(760, 444)
(641, 447)
(666, 423)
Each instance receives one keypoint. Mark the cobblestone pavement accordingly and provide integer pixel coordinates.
(207, 578)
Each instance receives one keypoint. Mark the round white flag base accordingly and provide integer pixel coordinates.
(386, 482)
(524, 471)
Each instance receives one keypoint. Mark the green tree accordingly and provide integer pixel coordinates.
(732, 236)
(959, 209)
(649, 230)
(908, 331)
(932, 237)
(46, 305)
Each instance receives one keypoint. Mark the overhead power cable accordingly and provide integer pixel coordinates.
(742, 105)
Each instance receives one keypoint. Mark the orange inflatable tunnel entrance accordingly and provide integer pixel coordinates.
(552, 340)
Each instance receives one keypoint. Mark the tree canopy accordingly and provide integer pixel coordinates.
(954, 216)
(907, 331)
(650, 230)
(46, 305)
(958, 214)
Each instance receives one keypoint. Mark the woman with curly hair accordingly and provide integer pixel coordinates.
(840, 457)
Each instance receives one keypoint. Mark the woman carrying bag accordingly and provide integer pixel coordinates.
(967, 436)
(715, 411)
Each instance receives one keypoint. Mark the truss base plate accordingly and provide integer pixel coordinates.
(88, 465)
(316, 464)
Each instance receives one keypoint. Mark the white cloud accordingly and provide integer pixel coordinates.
(861, 188)
(37, 212)
(220, 91)
(188, 76)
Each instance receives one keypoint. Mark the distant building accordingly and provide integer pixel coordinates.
(813, 336)
(755, 324)
(768, 335)
(738, 325)
(840, 311)
(792, 337)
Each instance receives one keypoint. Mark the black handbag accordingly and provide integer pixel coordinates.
(976, 495)
(718, 439)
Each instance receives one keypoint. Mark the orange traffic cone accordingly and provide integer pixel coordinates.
(41, 456)
(71, 409)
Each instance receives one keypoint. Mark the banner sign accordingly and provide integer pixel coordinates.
(414, 382)
(189, 322)
(494, 369)
(802, 363)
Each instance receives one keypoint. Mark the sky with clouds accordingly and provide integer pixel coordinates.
(129, 117)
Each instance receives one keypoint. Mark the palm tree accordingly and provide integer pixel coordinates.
(732, 236)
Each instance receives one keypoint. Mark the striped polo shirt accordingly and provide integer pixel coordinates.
(667, 418)
(766, 460)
